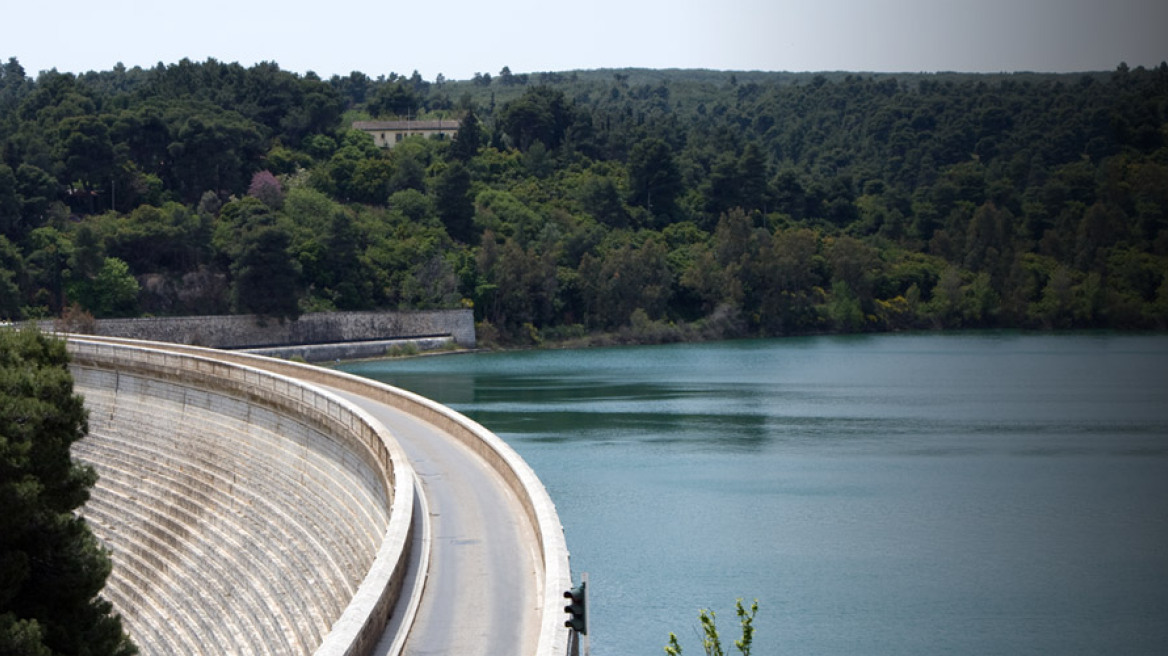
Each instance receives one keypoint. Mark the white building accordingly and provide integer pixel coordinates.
(387, 134)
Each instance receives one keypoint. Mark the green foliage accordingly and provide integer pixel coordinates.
(518, 286)
(712, 640)
(624, 280)
(408, 349)
(654, 179)
(111, 292)
(746, 621)
(453, 202)
(398, 99)
(758, 204)
(468, 140)
(266, 280)
(51, 566)
(11, 272)
(542, 115)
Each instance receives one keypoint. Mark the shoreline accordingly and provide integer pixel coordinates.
(617, 340)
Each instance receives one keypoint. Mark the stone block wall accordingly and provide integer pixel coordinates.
(248, 331)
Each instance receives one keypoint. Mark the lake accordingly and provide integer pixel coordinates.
(890, 494)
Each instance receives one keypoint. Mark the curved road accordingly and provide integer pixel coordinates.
(480, 594)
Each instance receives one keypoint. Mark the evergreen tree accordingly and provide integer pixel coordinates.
(654, 179)
(51, 566)
(465, 144)
(453, 202)
(266, 278)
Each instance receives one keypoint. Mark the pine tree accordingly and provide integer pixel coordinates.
(51, 566)
(465, 144)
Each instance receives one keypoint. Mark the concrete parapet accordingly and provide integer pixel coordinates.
(247, 512)
(540, 510)
(355, 350)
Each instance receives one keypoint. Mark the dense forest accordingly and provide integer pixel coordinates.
(639, 205)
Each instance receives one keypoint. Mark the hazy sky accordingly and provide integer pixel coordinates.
(459, 38)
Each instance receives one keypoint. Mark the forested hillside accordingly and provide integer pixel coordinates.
(645, 205)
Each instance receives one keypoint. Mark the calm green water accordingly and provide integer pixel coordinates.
(899, 494)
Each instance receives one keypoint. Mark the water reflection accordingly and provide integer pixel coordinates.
(720, 430)
(904, 417)
(893, 494)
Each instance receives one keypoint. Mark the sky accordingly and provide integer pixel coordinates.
(459, 38)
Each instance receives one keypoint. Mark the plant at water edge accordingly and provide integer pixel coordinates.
(404, 350)
(746, 621)
(711, 641)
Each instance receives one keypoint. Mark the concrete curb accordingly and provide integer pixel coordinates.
(400, 624)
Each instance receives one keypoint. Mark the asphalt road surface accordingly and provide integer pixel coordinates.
(482, 587)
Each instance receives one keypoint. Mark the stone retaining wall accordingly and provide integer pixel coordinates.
(247, 512)
(247, 331)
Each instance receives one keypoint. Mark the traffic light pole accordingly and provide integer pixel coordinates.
(577, 620)
(586, 648)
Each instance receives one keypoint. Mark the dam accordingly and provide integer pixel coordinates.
(258, 506)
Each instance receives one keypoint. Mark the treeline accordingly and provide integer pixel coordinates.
(651, 205)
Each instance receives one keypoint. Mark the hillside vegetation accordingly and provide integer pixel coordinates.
(641, 205)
